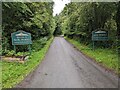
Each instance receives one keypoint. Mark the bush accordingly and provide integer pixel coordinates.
(22, 53)
(38, 44)
(10, 53)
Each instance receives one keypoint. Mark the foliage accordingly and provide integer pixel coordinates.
(35, 18)
(58, 30)
(39, 44)
(10, 53)
(22, 53)
(0, 75)
(13, 72)
(78, 20)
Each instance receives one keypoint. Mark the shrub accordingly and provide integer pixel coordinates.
(38, 44)
(10, 53)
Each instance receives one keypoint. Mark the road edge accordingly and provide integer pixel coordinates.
(93, 59)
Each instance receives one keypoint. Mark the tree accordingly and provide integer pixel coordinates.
(118, 21)
(57, 30)
(78, 20)
(118, 27)
(35, 18)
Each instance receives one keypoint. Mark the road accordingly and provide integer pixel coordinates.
(66, 67)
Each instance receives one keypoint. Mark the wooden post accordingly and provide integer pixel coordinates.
(93, 45)
(15, 49)
(29, 49)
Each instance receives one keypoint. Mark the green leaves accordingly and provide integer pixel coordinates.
(78, 20)
(35, 18)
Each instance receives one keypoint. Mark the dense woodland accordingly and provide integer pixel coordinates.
(78, 20)
(35, 18)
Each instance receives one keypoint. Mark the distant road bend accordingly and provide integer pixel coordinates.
(66, 67)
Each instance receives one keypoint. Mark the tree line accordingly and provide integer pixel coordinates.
(78, 20)
(35, 18)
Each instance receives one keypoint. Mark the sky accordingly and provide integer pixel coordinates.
(59, 5)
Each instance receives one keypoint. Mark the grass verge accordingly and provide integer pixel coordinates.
(105, 57)
(13, 73)
(0, 75)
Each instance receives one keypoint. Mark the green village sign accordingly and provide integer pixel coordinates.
(99, 36)
(21, 38)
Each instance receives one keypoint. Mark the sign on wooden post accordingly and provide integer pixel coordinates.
(21, 38)
(99, 36)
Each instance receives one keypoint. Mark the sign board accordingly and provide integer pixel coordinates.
(100, 35)
(21, 38)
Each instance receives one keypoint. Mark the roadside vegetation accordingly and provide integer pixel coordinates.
(14, 72)
(0, 74)
(87, 17)
(78, 20)
(35, 18)
(103, 56)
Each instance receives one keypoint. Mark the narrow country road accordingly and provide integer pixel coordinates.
(66, 67)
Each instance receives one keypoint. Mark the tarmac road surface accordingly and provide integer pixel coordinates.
(65, 67)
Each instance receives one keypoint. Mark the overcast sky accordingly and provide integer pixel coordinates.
(59, 5)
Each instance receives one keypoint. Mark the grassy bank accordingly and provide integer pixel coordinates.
(106, 57)
(0, 75)
(13, 73)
